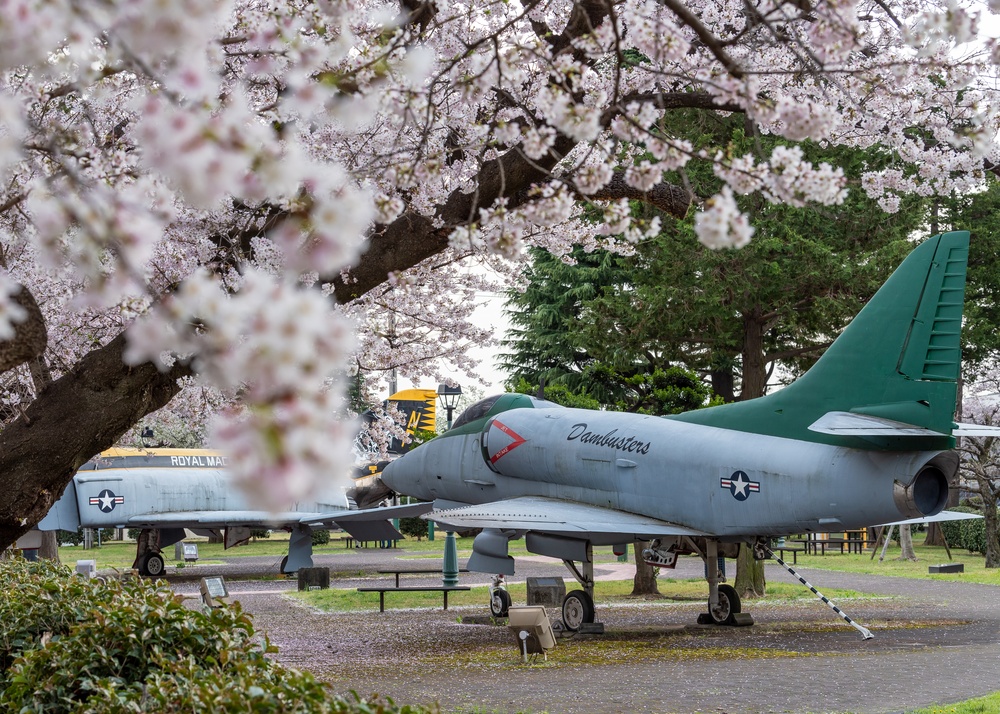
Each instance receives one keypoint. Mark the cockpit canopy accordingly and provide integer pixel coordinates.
(501, 403)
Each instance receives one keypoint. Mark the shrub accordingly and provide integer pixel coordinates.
(973, 534)
(76, 537)
(952, 530)
(320, 537)
(68, 644)
(413, 527)
(71, 537)
(969, 534)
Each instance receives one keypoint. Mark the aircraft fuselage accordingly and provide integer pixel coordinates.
(136, 491)
(714, 480)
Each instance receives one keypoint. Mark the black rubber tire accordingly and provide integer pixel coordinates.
(284, 563)
(500, 603)
(151, 565)
(729, 606)
(577, 610)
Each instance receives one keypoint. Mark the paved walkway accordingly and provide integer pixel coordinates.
(935, 642)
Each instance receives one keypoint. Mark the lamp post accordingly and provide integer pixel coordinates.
(449, 396)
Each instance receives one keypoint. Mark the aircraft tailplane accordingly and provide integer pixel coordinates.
(419, 406)
(898, 360)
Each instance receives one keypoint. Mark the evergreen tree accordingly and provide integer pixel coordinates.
(546, 318)
(734, 315)
(980, 214)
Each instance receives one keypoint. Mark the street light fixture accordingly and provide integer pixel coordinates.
(449, 396)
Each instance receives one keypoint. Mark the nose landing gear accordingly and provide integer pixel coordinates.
(499, 597)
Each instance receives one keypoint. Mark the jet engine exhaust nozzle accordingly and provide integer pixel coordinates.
(925, 495)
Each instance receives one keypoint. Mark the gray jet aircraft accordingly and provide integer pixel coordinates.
(865, 437)
(165, 491)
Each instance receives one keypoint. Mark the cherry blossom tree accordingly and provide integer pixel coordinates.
(245, 199)
(980, 465)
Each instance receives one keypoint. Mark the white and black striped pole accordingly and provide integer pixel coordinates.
(865, 632)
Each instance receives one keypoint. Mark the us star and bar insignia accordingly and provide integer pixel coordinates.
(740, 485)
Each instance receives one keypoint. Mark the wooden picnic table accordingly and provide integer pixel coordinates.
(414, 571)
(819, 545)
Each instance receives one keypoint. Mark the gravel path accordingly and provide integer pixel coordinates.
(935, 642)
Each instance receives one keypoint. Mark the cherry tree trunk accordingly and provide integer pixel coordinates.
(50, 546)
(749, 574)
(906, 543)
(991, 524)
(644, 582)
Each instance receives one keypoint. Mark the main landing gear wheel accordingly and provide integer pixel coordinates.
(284, 564)
(500, 603)
(151, 565)
(577, 609)
(729, 605)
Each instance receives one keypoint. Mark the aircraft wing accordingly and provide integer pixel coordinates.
(217, 519)
(976, 430)
(849, 424)
(558, 517)
(942, 516)
(370, 523)
(358, 516)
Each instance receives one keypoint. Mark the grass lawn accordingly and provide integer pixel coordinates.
(121, 554)
(605, 592)
(989, 704)
(975, 569)
(116, 554)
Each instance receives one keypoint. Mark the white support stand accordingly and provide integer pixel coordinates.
(865, 632)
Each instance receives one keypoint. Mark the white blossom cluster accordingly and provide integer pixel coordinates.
(721, 224)
(373, 440)
(210, 174)
(937, 28)
(278, 345)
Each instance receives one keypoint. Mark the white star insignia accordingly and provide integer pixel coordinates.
(740, 484)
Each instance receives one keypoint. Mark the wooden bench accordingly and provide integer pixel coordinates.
(414, 571)
(793, 549)
(349, 542)
(412, 589)
(818, 546)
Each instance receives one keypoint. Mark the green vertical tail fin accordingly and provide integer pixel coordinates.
(899, 359)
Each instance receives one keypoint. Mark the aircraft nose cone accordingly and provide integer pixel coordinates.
(402, 476)
(390, 475)
(405, 476)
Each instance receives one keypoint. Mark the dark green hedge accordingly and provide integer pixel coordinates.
(969, 534)
(68, 644)
(76, 537)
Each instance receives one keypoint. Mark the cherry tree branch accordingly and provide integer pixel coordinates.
(706, 36)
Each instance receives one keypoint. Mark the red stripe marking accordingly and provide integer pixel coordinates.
(518, 440)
